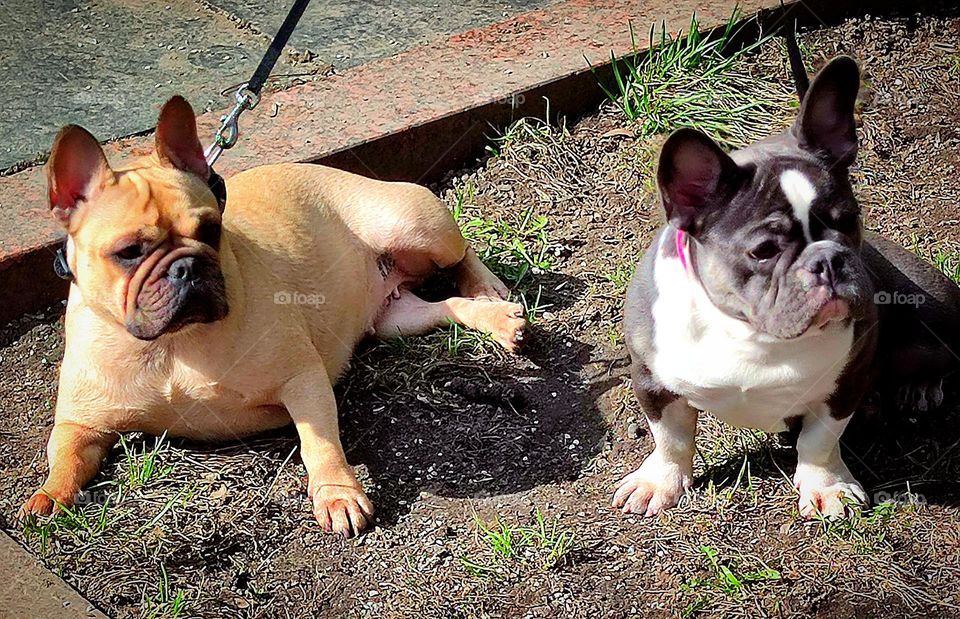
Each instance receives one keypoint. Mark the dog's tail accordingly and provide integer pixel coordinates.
(801, 80)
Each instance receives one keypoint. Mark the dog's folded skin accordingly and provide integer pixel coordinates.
(184, 323)
(756, 302)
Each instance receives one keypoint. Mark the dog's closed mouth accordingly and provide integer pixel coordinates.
(834, 310)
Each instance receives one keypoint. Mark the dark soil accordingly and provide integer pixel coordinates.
(453, 437)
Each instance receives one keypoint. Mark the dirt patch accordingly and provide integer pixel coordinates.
(493, 473)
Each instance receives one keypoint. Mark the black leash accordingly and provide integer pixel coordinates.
(255, 85)
(247, 96)
(801, 81)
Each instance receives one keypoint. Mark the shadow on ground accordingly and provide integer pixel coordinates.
(462, 425)
(897, 457)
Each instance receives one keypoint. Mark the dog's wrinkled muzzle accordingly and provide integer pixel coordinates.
(174, 288)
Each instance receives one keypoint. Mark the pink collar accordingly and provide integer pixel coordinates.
(682, 248)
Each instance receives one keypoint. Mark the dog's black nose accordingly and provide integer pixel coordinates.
(182, 270)
(825, 267)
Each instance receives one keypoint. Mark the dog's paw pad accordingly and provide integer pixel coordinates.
(920, 397)
(343, 510)
(838, 500)
(651, 489)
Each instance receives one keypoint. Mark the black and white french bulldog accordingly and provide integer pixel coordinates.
(764, 302)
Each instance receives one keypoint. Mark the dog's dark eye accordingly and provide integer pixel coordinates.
(131, 252)
(764, 251)
(209, 233)
(845, 221)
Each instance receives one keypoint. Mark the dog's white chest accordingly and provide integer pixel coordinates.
(723, 366)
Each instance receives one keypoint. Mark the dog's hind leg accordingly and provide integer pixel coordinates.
(424, 236)
(410, 315)
(450, 251)
(474, 279)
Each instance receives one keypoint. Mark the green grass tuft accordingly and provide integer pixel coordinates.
(525, 131)
(80, 522)
(511, 248)
(724, 579)
(461, 341)
(953, 65)
(620, 276)
(143, 466)
(544, 544)
(865, 530)
(166, 604)
(697, 80)
(948, 262)
(532, 306)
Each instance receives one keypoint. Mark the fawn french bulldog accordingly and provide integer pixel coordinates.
(764, 302)
(186, 319)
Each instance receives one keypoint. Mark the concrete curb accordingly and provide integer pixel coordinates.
(29, 590)
(409, 117)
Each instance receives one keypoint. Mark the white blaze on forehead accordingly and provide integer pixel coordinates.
(800, 194)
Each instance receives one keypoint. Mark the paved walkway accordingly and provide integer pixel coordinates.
(110, 64)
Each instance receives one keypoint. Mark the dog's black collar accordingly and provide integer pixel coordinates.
(219, 189)
(216, 184)
(60, 266)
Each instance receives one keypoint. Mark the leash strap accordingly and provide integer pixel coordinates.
(801, 81)
(269, 60)
(219, 189)
(248, 95)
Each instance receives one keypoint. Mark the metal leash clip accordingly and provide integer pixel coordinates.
(229, 130)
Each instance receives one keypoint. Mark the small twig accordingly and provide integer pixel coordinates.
(273, 483)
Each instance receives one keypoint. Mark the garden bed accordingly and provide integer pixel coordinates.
(492, 473)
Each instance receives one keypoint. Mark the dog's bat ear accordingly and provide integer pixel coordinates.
(693, 175)
(176, 141)
(76, 171)
(826, 124)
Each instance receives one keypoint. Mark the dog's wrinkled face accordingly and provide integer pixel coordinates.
(776, 229)
(143, 240)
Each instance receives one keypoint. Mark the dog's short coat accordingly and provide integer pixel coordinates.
(756, 302)
(210, 327)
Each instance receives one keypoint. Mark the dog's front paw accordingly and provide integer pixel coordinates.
(832, 496)
(341, 509)
(921, 396)
(40, 503)
(652, 488)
